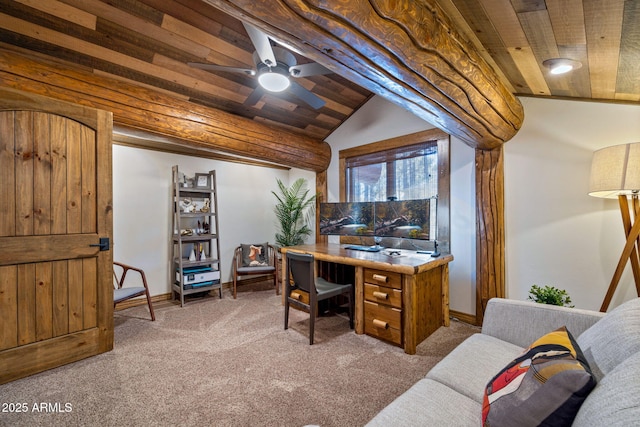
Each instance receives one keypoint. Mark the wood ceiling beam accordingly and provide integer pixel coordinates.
(161, 114)
(407, 51)
(149, 141)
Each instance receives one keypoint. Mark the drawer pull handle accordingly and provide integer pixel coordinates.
(295, 295)
(380, 295)
(380, 278)
(380, 324)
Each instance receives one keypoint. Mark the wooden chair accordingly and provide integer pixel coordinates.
(241, 269)
(122, 293)
(300, 267)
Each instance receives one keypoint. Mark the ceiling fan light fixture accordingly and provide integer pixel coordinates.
(561, 65)
(274, 80)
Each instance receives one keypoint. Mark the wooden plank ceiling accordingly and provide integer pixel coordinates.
(150, 42)
(518, 35)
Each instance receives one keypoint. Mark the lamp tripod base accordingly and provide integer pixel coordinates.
(631, 247)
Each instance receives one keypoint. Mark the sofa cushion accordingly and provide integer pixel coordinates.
(429, 403)
(470, 366)
(612, 339)
(545, 385)
(615, 402)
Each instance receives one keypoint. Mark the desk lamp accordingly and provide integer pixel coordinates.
(615, 173)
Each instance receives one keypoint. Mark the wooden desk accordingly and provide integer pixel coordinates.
(414, 288)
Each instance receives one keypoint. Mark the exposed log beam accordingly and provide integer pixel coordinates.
(148, 110)
(148, 141)
(407, 51)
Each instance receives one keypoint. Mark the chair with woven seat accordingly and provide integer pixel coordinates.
(300, 270)
(122, 293)
(254, 260)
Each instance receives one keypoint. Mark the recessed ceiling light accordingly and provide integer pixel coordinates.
(561, 65)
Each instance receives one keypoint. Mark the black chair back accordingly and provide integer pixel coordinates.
(301, 269)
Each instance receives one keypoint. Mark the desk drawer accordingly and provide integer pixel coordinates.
(383, 295)
(383, 322)
(300, 295)
(383, 278)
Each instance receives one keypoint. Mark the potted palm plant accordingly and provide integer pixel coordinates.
(293, 212)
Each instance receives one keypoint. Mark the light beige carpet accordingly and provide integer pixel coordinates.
(228, 363)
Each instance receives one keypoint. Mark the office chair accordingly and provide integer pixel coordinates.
(300, 268)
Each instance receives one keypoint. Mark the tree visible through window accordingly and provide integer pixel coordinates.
(406, 168)
(406, 173)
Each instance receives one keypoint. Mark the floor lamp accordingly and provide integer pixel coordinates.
(615, 173)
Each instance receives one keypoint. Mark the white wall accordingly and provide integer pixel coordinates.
(555, 233)
(378, 120)
(462, 271)
(142, 208)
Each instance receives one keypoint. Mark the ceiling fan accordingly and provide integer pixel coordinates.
(275, 68)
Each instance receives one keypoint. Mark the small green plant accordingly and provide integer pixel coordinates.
(550, 295)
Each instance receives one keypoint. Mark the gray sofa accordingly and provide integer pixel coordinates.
(451, 393)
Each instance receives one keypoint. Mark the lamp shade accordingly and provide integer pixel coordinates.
(615, 171)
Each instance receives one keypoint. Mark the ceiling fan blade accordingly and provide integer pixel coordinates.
(213, 67)
(306, 96)
(262, 44)
(254, 97)
(310, 69)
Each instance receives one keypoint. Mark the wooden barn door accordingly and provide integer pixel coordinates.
(56, 291)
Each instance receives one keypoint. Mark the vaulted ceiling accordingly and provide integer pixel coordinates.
(150, 43)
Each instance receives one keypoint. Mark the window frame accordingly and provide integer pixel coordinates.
(443, 141)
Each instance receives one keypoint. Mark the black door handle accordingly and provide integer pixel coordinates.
(103, 245)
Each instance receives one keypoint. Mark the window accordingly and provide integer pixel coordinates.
(404, 173)
(411, 167)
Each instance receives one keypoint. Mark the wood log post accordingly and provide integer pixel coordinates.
(490, 265)
(321, 190)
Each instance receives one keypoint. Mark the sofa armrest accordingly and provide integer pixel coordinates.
(522, 322)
